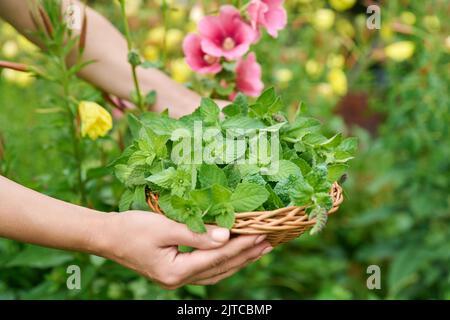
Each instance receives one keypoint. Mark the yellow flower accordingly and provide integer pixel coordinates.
(283, 76)
(336, 61)
(345, 28)
(338, 81)
(408, 17)
(95, 120)
(400, 51)
(151, 53)
(180, 70)
(323, 19)
(22, 79)
(432, 23)
(177, 14)
(325, 90)
(386, 32)
(156, 35)
(173, 39)
(342, 5)
(313, 68)
(447, 43)
(10, 49)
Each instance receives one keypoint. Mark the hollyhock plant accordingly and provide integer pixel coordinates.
(198, 59)
(269, 14)
(226, 35)
(248, 76)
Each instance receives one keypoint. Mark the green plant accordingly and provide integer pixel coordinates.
(297, 168)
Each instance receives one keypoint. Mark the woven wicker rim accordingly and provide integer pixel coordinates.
(280, 221)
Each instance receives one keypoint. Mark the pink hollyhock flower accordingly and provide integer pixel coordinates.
(269, 14)
(197, 59)
(226, 35)
(248, 76)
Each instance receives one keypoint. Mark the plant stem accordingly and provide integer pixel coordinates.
(77, 150)
(140, 101)
(165, 8)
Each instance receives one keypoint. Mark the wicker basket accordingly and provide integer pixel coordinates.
(280, 226)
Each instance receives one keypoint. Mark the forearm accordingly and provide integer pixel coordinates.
(111, 72)
(28, 216)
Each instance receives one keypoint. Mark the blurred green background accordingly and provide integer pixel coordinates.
(388, 86)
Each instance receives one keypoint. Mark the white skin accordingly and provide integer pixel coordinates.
(142, 241)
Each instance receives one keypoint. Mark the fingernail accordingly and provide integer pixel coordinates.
(220, 235)
(266, 250)
(260, 239)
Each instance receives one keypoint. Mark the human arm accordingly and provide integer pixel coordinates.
(111, 72)
(141, 241)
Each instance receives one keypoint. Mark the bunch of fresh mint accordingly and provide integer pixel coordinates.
(205, 168)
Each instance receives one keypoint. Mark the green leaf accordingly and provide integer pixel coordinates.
(225, 220)
(150, 98)
(140, 199)
(333, 141)
(238, 107)
(302, 126)
(210, 174)
(248, 197)
(274, 200)
(304, 166)
(195, 223)
(164, 178)
(342, 156)
(202, 198)
(242, 122)
(39, 257)
(324, 200)
(335, 171)
(233, 175)
(220, 194)
(126, 200)
(267, 98)
(301, 194)
(135, 126)
(209, 111)
(122, 172)
(285, 169)
(314, 139)
(349, 145)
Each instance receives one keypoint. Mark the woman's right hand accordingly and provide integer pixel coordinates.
(147, 243)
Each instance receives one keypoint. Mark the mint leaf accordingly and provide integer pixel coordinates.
(164, 178)
(210, 174)
(209, 111)
(301, 194)
(195, 223)
(135, 125)
(126, 200)
(242, 122)
(284, 170)
(139, 198)
(335, 171)
(349, 145)
(225, 220)
(220, 194)
(248, 197)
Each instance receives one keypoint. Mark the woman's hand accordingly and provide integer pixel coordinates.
(147, 243)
